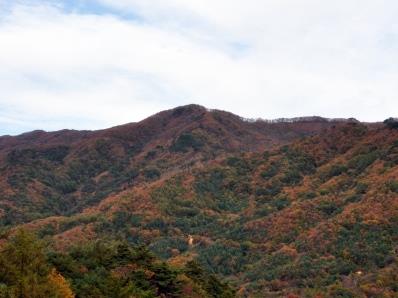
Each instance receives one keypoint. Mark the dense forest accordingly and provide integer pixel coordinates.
(30, 268)
(197, 203)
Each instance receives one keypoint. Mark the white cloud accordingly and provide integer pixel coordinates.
(269, 59)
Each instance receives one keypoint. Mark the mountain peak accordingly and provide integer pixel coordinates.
(190, 108)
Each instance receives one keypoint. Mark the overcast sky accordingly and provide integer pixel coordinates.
(90, 64)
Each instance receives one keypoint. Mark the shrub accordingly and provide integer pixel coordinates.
(361, 188)
(213, 183)
(338, 291)
(300, 160)
(292, 177)
(163, 247)
(272, 267)
(221, 258)
(391, 123)
(56, 154)
(21, 156)
(207, 281)
(360, 162)
(280, 202)
(182, 211)
(89, 186)
(263, 211)
(158, 224)
(151, 154)
(329, 208)
(324, 192)
(66, 186)
(235, 161)
(187, 141)
(241, 165)
(332, 171)
(270, 190)
(122, 219)
(151, 173)
(307, 195)
(197, 224)
(393, 186)
(271, 171)
(364, 245)
(353, 199)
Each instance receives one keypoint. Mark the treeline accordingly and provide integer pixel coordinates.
(30, 269)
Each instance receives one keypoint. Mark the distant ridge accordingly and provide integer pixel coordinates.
(304, 120)
(186, 109)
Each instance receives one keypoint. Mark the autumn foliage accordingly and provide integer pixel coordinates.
(303, 208)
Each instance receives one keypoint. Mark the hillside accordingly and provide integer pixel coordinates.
(305, 207)
(60, 173)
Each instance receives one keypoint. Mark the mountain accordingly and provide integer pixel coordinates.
(60, 173)
(303, 207)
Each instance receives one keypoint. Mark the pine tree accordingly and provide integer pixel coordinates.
(24, 271)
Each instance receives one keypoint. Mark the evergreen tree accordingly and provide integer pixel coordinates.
(24, 271)
(209, 282)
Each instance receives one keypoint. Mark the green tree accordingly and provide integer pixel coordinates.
(208, 282)
(24, 271)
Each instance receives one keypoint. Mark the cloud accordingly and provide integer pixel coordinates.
(93, 68)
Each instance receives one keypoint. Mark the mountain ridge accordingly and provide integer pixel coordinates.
(171, 139)
(274, 208)
(313, 118)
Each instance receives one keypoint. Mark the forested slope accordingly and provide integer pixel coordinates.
(301, 208)
(60, 173)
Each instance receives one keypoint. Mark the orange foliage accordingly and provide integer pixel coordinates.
(60, 285)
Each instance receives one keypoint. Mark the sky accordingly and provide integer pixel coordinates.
(92, 64)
